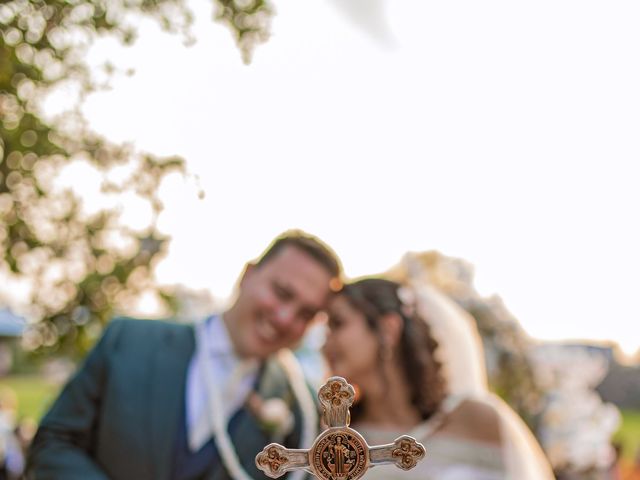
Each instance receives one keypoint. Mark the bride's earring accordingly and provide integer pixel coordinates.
(386, 352)
(390, 333)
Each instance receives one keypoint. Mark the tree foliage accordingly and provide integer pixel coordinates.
(80, 265)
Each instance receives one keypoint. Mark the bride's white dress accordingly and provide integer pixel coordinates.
(448, 458)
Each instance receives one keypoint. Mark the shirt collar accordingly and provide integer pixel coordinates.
(219, 341)
(220, 345)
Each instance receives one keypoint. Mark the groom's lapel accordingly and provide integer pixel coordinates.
(169, 383)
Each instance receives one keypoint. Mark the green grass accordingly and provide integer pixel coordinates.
(33, 392)
(628, 435)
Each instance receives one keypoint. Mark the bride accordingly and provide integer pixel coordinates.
(417, 365)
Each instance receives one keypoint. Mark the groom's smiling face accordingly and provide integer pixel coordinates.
(276, 302)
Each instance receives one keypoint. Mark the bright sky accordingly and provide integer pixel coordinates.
(503, 132)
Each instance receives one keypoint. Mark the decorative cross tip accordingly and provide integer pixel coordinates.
(336, 396)
(408, 452)
(275, 460)
(340, 452)
(272, 458)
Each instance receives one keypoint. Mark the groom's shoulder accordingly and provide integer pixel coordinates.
(127, 330)
(147, 326)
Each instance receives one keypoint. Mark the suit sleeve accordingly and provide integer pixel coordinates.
(64, 445)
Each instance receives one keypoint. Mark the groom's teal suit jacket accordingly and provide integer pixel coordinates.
(118, 418)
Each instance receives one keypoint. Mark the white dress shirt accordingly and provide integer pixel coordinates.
(235, 378)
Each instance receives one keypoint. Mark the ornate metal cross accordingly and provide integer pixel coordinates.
(339, 453)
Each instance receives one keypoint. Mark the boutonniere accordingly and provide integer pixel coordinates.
(274, 415)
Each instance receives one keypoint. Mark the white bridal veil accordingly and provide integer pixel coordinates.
(461, 353)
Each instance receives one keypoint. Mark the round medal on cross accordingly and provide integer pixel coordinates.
(340, 452)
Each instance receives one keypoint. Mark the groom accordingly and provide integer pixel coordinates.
(163, 401)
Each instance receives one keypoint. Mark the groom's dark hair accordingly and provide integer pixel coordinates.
(312, 246)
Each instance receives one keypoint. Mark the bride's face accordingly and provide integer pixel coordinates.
(351, 347)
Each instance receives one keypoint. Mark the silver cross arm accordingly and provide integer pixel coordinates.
(340, 452)
(275, 460)
(405, 452)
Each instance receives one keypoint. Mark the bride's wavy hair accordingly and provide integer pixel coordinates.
(376, 297)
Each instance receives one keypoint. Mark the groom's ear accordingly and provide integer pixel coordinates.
(391, 330)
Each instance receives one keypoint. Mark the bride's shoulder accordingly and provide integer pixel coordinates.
(473, 420)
